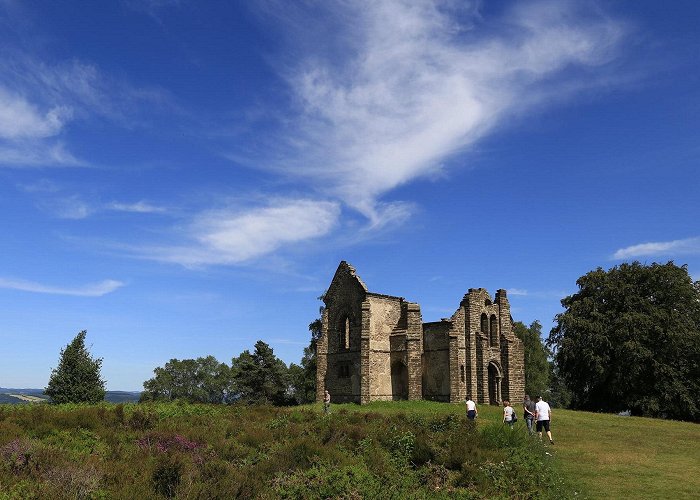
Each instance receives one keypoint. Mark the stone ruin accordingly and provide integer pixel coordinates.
(375, 347)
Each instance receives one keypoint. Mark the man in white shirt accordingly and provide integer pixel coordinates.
(472, 412)
(543, 414)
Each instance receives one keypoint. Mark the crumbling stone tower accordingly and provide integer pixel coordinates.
(375, 347)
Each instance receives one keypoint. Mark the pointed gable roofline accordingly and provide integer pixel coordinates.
(342, 276)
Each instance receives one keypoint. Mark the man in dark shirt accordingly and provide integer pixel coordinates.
(529, 412)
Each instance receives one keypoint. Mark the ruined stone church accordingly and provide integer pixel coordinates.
(375, 347)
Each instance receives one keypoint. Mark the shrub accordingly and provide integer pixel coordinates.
(142, 420)
(74, 481)
(327, 481)
(15, 455)
(422, 450)
(166, 476)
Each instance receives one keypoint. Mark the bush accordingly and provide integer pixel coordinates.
(166, 476)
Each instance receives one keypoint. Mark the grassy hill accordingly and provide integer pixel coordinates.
(629, 457)
(383, 450)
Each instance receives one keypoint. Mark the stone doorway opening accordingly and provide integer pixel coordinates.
(399, 381)
(494, 384)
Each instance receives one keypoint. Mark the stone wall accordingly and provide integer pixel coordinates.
(385, 321)
(436, 361)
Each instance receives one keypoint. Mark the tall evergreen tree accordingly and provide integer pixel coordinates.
(260, 376)
(77, 378)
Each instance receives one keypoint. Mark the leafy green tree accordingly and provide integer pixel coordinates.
(201, 380)
(537, 367)
(261, 377)
(77, 378)
(630, 339)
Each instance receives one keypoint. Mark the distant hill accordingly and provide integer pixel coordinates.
(23, 396)
(122, 396)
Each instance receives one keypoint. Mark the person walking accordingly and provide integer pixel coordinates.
(543, 414)
(529, 413)
(327, 403)
(472, 412)
(508, 413)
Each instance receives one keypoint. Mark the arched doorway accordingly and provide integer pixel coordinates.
(399, 380)
(494, 384)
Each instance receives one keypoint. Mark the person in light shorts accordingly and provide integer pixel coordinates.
(508, 413)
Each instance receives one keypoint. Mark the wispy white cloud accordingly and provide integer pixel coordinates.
(67, 207)
(64, 206)
(91, 290)
(20, 119)
(78, 88)
(233, 236)
(658, 248)
(142, 207)
(516, 291)
(37, 153)
(40, 186)
(38, 102)
(400, 86)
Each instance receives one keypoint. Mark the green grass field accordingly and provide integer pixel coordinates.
(607, 456)
(629, 457)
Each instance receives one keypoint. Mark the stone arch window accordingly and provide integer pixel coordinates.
(461, 372)
(484, 323)
(487, 302)
(494, 330)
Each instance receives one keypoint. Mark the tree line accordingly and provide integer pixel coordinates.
(628, 339)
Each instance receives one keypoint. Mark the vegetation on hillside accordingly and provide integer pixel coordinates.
(215, 451)
(630, 339)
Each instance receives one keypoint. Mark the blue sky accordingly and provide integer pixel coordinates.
(182, 178)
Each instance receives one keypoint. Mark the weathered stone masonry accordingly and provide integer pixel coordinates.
(375, 347)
